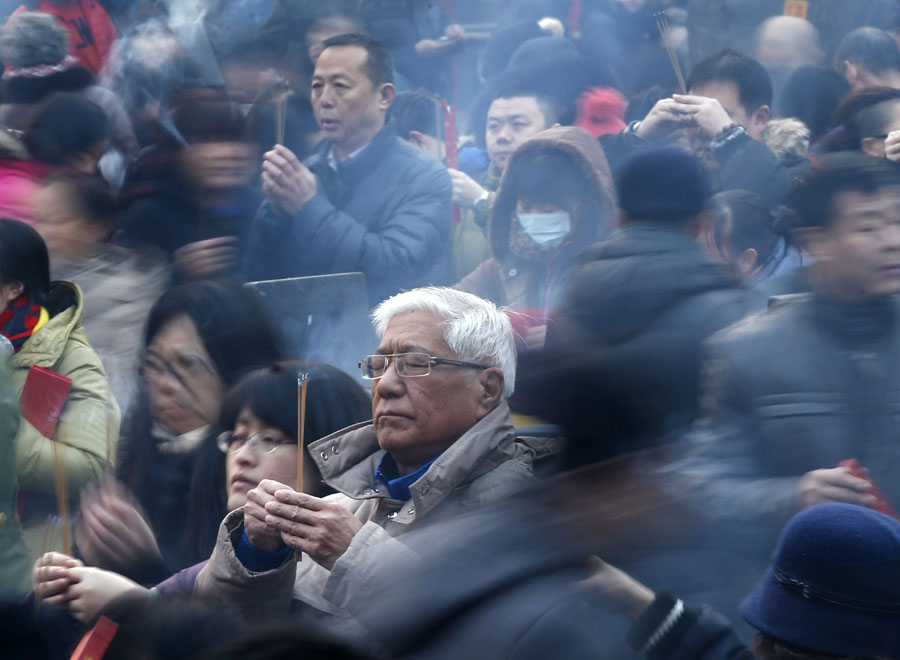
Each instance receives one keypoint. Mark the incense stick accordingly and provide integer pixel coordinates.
(62, 495)
(302, 383)
(663, 24)
(280, 116)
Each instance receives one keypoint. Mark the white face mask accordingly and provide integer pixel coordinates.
(546, 229)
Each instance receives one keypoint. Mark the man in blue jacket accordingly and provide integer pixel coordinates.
(366, 201)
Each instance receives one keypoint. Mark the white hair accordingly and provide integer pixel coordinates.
(474, 328)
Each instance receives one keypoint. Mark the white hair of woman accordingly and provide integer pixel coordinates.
(474, 328)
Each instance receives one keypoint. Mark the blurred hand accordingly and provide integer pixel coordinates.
(466, 191)
(320, 529)
(112, 532)
(205, 258)
(834, 485)
(621, 592)
(455, 32)
(536, 337)
(93, 589)
(664, 118)
(50, 578)
(287, 182)
(707, 113)
(262, 535)
(892, 147)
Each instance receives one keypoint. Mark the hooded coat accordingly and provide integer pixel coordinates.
(15, 563)
(536, 285)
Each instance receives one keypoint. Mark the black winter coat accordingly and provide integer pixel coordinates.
(385, 213)
(625, 353)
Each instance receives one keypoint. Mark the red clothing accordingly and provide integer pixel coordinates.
(19, 182)
(91, 32)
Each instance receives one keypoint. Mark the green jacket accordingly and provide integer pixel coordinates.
(15, 564)
(89, 424)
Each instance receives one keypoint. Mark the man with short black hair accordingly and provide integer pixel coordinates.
(366, 200)
(791, 394)
(516, 114)
(725, 112)
(869, 57)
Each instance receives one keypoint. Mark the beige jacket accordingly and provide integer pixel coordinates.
(486, 464)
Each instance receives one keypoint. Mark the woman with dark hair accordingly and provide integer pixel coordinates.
(191, 196)
(42, 320)
(812, 94)
(750, 238)
(555, 199)
(260, 415)
(864, 121)
(200, 339)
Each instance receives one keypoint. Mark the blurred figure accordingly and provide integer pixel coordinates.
(284, 642)
(68, 134)
(260, 415)
(417, 119)
(13, 552)
(441, 442)
(33, 47)
(641, 305)
(812, 94)
(869, 57)
(726, 111)
(868, 121)
(191, 197)
(556, 199)
(91, 32)
(790, 395)
(515, 115)
(42, 320)
(366, 200)
(420, 38)
(75, 214)
(783, 44)
(199, 339)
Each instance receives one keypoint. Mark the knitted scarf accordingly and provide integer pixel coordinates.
(20, 320)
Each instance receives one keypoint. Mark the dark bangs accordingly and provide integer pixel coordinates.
(550, 178)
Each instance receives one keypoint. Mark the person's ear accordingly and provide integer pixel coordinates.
(746, 264)
(872, 146)
(16, 289)
(492, 381)
(416, 139)
(386, 95)
(761, 116)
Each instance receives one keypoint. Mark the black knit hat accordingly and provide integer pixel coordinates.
(660, 182)
(833, 585)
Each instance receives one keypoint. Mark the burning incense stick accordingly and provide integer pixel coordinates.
(663, 24)
(280, 100)
(302, 383)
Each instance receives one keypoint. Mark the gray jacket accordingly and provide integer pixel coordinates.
(486, 464)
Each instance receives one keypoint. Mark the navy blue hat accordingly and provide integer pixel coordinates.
(663, 181)
(833, 585)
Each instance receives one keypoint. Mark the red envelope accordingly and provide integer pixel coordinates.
(43, 399)
(881, 502)
(96, 640)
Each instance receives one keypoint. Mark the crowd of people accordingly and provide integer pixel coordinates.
(631, 269)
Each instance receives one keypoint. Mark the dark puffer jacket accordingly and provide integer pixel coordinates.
(385, 213)
(536, 285)
(627, 344)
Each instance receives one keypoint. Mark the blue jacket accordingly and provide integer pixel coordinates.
(385, 213)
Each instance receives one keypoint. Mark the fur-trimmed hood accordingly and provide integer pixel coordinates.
(595, 219)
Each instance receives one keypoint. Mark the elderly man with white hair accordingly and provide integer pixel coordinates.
(440, 441)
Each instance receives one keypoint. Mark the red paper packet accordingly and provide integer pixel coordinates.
(43, 399)
(96, 640)
(881, 502)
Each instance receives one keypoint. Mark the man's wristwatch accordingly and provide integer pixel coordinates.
(481, 203)
(730, 134)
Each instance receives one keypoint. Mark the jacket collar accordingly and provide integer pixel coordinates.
(348, 459)
(45, 346)
(352, 170)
